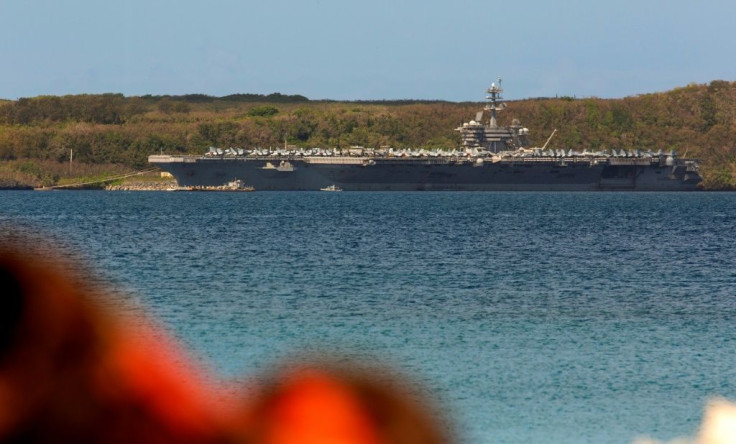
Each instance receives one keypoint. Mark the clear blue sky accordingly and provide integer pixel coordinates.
(378, 49)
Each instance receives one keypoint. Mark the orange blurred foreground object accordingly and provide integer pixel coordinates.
(70, 371)
(315, 409)
(327, 404)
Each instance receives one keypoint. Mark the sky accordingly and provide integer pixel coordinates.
(364, 50)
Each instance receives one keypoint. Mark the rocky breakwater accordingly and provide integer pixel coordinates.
(144, 186)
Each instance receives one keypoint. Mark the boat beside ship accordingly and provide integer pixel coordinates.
(332, 188)
(490, 158)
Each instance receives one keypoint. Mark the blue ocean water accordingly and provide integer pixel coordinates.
(533, 317)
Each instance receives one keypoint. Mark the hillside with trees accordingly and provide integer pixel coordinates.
(110, 134)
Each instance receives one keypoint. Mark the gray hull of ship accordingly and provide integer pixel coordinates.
(424, 175)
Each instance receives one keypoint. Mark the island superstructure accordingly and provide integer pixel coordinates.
(489, 158)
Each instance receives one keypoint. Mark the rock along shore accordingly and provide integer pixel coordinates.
(144, 186)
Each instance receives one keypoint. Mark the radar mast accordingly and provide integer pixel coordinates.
(495, 103)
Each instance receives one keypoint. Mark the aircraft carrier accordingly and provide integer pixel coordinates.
(489, 158)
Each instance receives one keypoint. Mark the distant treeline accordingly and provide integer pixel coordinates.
(116, 108)
(244, 98)
(698, 120)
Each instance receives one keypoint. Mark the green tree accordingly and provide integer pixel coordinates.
(263, 111)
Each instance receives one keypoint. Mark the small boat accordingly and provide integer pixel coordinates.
(331, 188)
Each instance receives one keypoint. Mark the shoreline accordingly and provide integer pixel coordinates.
(144, 186)
(171, 185)
(179, 189)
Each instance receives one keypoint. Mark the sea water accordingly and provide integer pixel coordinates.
(532, 317)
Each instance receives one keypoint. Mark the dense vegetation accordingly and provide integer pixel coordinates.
(110, 132)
